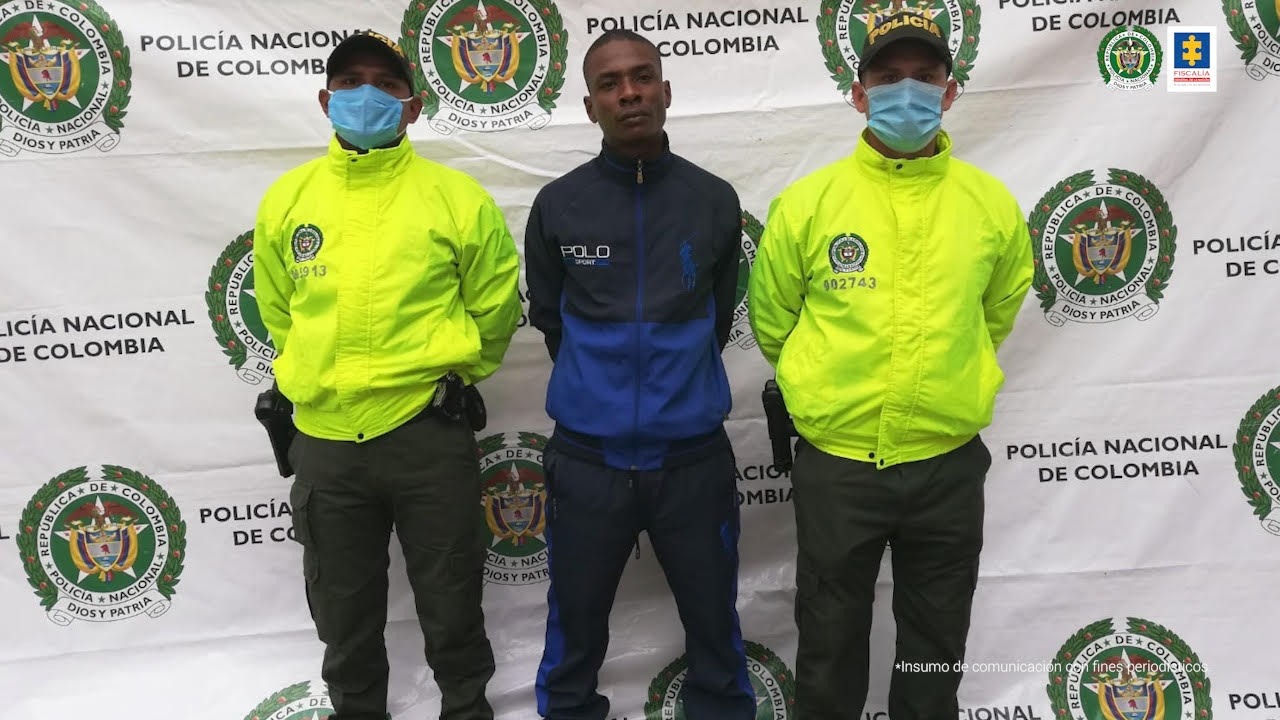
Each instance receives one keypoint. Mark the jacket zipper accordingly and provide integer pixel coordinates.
(635, 334)
(635, 428)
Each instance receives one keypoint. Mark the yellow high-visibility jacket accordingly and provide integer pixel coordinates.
(880, 293)
(377, 273)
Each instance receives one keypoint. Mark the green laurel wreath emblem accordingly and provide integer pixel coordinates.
(1242, 451)
(114, 110)
(1238, 26)
(1071, 649)
(843, 74)
(215, 298)
(761, 654)
(1038, 219)
(1157, 55)
(558, 51)
(28, 527)
(290, 694)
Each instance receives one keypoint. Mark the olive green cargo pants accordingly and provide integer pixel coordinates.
(930, 513)
(423, 479)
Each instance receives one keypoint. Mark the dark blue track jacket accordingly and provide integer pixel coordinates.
(632, 268)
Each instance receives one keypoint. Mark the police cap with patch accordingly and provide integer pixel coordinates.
(371, 43)
(904, 26)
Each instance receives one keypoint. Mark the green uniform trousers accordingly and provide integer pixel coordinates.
(930, 513)
(423, 479)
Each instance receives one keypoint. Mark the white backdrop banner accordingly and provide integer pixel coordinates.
(147, 569)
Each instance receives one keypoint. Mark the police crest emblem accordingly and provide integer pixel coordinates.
(306, 242)
(45, 72)
(1102, 242)
(514, 505)
(848, 253)
(486, 65)
(485, 55)
(516, 512)
(64, 77)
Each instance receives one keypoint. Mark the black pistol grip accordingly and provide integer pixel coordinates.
(781, 428)
(274, 411)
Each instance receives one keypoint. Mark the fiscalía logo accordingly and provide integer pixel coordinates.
(67, 84)
(848, 253)
(773, 682)
(1146, 673)
(1195, 58)
(103, 548)
(843, 26)
(1129, 58)
(1103, 251)
(1257, 455)
(486, 66)
(1255, 26)
(740, 332)
(514, 500)
(300, 701)
(233, 310)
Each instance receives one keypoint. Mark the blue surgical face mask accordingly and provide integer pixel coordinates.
(905, 115)
(365, 116)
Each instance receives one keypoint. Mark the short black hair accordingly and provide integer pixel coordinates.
(613, 36)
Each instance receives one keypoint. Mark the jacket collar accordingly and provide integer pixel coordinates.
(632, 171)
(372, 165)
(934, 166)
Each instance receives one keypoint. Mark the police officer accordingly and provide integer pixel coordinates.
(379, 273)
(884, 284)
(632, 264)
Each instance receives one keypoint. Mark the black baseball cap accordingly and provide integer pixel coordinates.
(904, 26)
(367, 42)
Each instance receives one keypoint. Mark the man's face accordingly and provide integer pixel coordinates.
(626, 93)
(380, 72)
(905, 59)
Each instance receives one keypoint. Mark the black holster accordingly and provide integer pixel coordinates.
(455, 400)
(781, 428)
(476, 413)
(275, 412)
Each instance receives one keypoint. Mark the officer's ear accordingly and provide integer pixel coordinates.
(858, 96)
(412, 110)
(948, 97)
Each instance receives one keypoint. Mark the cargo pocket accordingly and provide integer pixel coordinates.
(300, 503)
(458, 585)
(811, 603)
